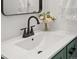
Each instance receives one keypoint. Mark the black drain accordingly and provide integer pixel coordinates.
(32, 39)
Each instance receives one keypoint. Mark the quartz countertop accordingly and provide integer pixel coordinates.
(49, 46)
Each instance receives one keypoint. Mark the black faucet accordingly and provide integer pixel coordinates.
(29, 31)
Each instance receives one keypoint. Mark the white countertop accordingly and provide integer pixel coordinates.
(49, 46)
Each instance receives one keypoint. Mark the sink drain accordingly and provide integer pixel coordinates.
(32, 39)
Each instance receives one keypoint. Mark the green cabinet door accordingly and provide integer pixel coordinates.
(72, 50)
(60, 55)
(69, 52)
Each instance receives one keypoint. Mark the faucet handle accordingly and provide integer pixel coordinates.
(24, 32)
(32, 29)
(23, 29)
(33, 26)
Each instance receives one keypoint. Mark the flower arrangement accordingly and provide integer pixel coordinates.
(46, 18)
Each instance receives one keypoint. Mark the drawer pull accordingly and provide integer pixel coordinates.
(73, 49)
(71, 52)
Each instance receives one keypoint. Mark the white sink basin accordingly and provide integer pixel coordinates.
(30, 42)
(45, 39)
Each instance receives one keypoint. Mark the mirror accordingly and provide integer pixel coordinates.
(18, 7)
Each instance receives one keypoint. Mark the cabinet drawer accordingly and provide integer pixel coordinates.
(71, 49)
(60, 55)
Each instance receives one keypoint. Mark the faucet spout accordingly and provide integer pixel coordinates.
(35, 18)
(29, 32)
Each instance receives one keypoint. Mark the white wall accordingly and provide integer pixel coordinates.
(65, 14)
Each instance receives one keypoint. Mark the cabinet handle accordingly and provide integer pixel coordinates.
(72, 50)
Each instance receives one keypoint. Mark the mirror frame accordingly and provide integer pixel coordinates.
(2, 9)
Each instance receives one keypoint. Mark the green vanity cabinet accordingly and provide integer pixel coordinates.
(68, 52)
(60, 55)
(72, 50)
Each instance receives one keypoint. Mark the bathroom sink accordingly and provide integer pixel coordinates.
(43, 39)
(31, 42)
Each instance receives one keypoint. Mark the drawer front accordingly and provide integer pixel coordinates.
(60, 55)
(72, 49)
